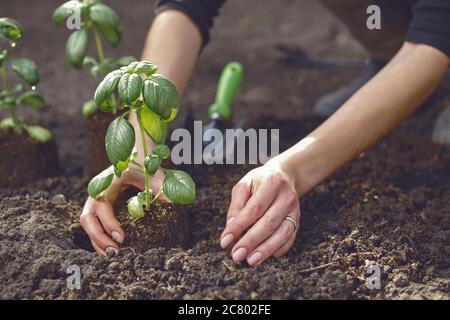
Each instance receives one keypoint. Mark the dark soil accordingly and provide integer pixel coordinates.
(96, 127)
(164, 225)
(24, 160)
(389, 207)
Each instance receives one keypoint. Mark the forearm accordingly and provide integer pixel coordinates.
(397, 91)
(173, 44)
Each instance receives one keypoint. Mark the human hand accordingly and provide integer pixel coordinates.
(263, 216)
(98, 219)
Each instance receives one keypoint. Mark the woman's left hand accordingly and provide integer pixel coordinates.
(263, 216)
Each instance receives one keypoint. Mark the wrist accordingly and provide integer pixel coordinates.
(282, 165)
(301, 165)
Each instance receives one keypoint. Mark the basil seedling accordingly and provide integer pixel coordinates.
(96, 18)
(19, 94)
(155, 100)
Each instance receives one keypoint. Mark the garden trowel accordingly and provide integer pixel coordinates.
(220, 112)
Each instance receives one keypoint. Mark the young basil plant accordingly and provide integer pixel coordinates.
(12, 96)
(92, 17)
(155, 101)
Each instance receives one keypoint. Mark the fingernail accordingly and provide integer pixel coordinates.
(239, 254)
(110, 252)
(226, 240)
(117, 237)
(229, 220)
(254, 258)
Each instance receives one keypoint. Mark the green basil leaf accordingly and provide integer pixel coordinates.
(123, 165)
(66, 10)
(130, 67)
(3, 56)
(145, 67)
(32, 99)
(117, 172)
(39, 134)
(103, 68)
(92, 2)
(130, 87)
(142, 196)
(89, 61)
(136, 208)
(125, 61)
(76, 48)
(179, 187)
(7, 123)
(160, 95)
(152, 164)
(108, 22)
(106, 88)
(153, 126)
(8, 101)
(10, 29)
(26, 69)
(119, 141)
(100, 182)
(107, 107)
(95, 70)
(17, 88)
(89, 108)
(162, 151)
(173, 114)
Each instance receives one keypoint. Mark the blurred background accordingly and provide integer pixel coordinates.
(247, 31)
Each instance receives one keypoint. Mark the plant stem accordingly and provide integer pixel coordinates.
(101, 58)
(157, 195)
(99, 45)
(114, 103)
(4, 77)
(144, 147)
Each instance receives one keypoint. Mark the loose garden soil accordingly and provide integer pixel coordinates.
(390, 207)
(24, 159)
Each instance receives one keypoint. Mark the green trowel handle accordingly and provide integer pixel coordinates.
(229, 83)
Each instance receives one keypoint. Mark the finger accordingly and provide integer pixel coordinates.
(278, 240)
(285, 248)
(105, 213)
(137, 180)
(98, 249)
(253, 210)
(239, 197)
(264, 227)
(282, 251)
(95, 231)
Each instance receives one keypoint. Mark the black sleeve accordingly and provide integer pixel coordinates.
(431, 24)
(202, 12)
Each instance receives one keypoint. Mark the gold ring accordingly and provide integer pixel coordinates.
(289, 218)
